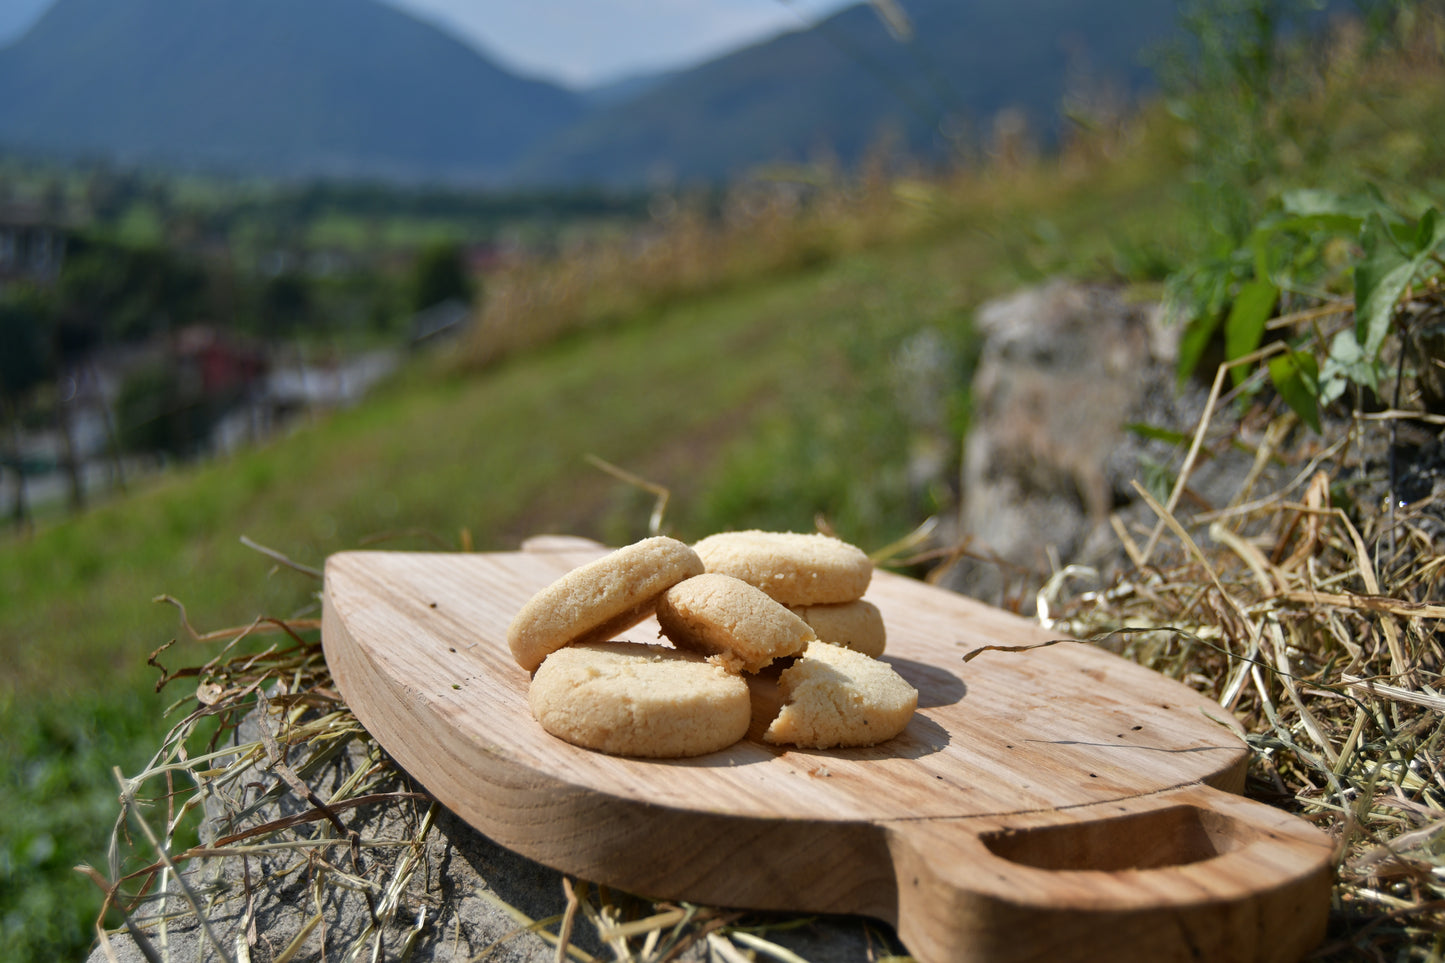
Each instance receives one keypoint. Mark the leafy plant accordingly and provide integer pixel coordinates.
(1231, 79)
(1359, 252)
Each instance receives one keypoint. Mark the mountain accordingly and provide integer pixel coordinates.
(624, 89)
(837, 88)
(338, 87)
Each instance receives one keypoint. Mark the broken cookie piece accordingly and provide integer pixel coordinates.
(836, 697)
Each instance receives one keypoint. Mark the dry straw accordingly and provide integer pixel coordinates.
(1311, 609)
(693, 244)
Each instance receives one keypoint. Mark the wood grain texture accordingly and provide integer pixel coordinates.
(1059, 803)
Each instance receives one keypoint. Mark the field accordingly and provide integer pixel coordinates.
(770, 396)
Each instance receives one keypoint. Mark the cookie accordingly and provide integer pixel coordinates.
(734, 622)
(834, 696)
(632, 699)
(595, 601)
(794, 568)
(857, 624)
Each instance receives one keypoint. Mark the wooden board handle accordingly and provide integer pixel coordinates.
(1189, 874)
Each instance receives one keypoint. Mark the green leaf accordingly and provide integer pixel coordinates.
(1155, 433)
(1261, 246)
(1295, 376)
(1338, 224)
(1380, 279)
(1429, 235)
(1318, 203)
(1347, 363)
(1326, 211)
(1194, 341)
(1244, 328)
(1386, 270)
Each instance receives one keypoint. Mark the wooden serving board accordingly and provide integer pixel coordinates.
(1055, 804)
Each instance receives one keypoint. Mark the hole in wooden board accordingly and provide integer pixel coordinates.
(1175, 836)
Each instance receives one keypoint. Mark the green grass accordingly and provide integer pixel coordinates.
(61, 800)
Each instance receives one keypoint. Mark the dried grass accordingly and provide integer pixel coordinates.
(1311, 611)
(692, 245)
(780, 221)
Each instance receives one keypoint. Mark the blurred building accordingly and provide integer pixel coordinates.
(32, 244)
(224, 365)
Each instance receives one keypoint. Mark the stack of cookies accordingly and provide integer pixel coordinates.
(732, 605)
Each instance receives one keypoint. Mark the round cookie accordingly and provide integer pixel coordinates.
(735, 623)
(834, 696)
(631, 699)
(597, 600)
(794, 568)
(857, 624)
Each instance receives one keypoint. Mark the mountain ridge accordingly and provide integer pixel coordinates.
(275, 87)
(845, 85)
(270, 86)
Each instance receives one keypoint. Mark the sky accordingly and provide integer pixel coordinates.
(578, 42)
(583, 42)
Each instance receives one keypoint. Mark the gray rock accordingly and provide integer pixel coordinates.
(1062, 370)
(1067, 374)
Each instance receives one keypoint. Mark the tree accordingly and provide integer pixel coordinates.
(25, 358)
(286, 302)
(110, 292)
(25, 361)
(440, 274)
(161, 410)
